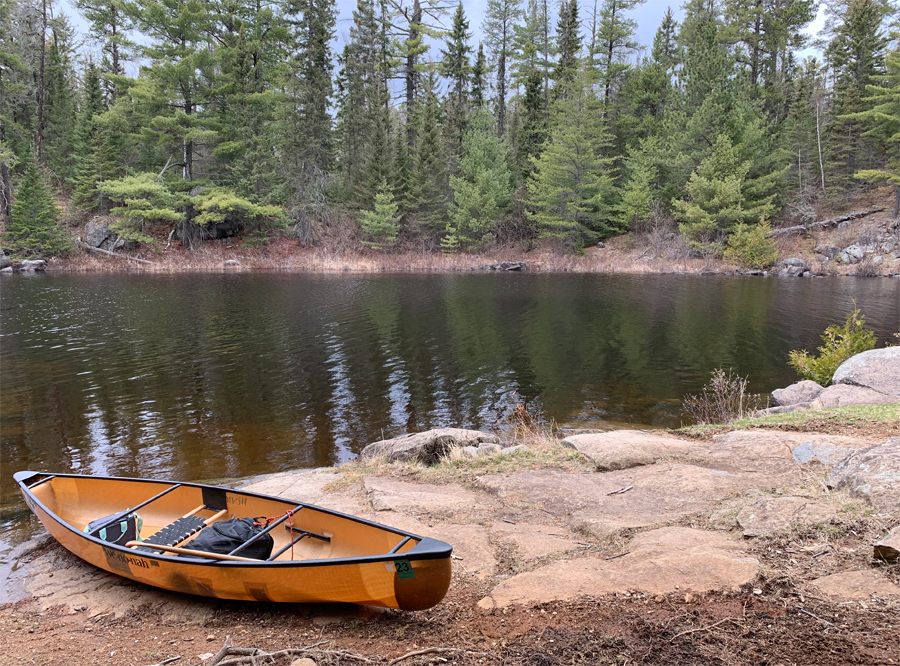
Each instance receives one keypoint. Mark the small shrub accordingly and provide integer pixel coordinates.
(722, 400)
(839, 344)
(749, 247)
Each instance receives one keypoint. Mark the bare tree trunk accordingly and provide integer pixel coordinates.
(819, 142)
(39, 127)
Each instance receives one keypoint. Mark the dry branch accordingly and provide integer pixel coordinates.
(802, 228)
(715, 624)
(114, 254)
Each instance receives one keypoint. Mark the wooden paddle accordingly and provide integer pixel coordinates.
(188, 551)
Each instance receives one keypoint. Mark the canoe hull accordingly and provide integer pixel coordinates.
(359, 580)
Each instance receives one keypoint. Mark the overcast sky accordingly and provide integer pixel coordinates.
(648, 17)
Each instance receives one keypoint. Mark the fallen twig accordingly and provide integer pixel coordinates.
(615, 557)
(824, 223)
(806, 612)
(115, 254)
(621, 490)
(715, 624)
(168, 661)
(433, 650)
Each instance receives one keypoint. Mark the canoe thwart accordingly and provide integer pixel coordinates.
(118, 516)
(303, 534)
(269, 528)
(192, 553)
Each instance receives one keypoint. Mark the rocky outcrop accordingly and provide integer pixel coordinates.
(428, 448)
(506, 266)
(95, 233)
(872, 473)
(803, 391)
(657, 562)
(852, 254)
(876, 369)
(31, 265)
(792, 267)
(771, 515)
(4, 260)
(621, 449)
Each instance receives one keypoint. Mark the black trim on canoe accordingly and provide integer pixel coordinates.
(426, 548)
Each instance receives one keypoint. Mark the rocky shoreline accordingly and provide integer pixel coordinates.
(563, 529)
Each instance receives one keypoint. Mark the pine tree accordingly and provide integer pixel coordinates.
(110, 24)
(665, 51)
(800, 133)
(570, 194)
(499, 18)
(376, 161)
(484, 186)
(568, 45)
(532, 126)
(59, 121)
(456, 67)
(614, 43)
(639, 191)
(400, 175)
(382, 224)
(32, 230)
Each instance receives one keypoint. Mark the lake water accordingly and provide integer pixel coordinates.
(193, 377)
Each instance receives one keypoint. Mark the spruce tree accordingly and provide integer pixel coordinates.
(32, 230)
(568, 45)
(570, 193)
(429, 185)
(883, 118)
(110, 24)
(381, 224)
(88, 150)
(483, 189)
(59, 121)
(532, 126)
(479, 78)
(614, 43)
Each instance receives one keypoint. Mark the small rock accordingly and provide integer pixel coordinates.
(206, 656)
(211, 637)
(876, 261)
(506, 266)
(6, 269)
(303, 661)
(852, 254)
(4, 261)
(488, 449)
(601, 245)
(888, 548)
(32, 265)
(828, 251)
(228, 263)
(511, 449)
(429, 447)
(802, 391)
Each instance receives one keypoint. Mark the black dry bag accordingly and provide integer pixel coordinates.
(223, 537)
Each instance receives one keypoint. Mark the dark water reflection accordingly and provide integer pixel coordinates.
(213, 376)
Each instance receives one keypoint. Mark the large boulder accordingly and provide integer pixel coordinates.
(877, 369)
(4, 260)
(428, 447)
(872, 473)
(621, 449)
(800, 392)
(95, 234)
(842, 395)
(888, 548)
(852, 255)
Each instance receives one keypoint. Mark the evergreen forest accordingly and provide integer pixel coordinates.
(188, 120)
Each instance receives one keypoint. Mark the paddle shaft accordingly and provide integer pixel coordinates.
(188, 551)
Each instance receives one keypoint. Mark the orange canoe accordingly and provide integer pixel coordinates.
(318, 555)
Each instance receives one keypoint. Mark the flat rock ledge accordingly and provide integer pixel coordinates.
(771, 515)
(429, 447)
(658, 562)
(872, 473)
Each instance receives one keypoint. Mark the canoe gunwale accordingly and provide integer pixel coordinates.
(426, 548)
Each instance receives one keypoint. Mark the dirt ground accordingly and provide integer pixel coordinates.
(774, 621)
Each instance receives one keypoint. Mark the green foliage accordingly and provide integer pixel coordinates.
(715, 201)
(382, 224)
(222, 205)
(484, 186)
(144, 200)
(639, 190)
(570, 192)
(749, 247)
(839, 344)
(32, 230)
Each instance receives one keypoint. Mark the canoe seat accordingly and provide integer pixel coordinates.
(174, 533)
